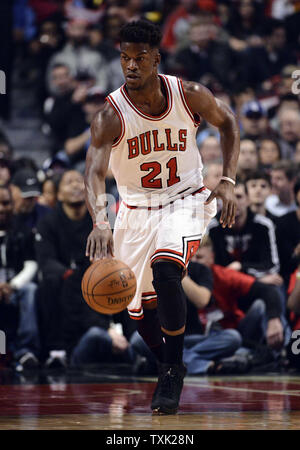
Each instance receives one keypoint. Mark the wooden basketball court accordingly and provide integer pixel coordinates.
(86, 401)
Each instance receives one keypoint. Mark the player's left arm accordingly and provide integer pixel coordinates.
(201, 101)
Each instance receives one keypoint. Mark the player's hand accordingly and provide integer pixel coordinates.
(274, 333)
(100, 244)
(225, 191)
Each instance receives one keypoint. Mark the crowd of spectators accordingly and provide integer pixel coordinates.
(242, 286)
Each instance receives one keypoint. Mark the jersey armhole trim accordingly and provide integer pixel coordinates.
(120, 115)
(185, 104)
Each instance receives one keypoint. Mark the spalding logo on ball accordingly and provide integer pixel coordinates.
(108, 286)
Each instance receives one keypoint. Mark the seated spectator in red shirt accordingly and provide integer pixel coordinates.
(251, 307)
(294, 289)
(250, 245)
(288, 238)
(293, 304)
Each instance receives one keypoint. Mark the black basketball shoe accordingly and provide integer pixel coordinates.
(166, 396)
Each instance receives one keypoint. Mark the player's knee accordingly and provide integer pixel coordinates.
(167, 283)
(166, 271)
(170, 295)
(180, 330)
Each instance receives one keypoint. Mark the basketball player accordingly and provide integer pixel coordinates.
(147, 132)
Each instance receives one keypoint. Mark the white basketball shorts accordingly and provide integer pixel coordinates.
(172, 232)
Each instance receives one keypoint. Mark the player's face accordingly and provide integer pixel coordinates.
(139, 63)
(258, 191)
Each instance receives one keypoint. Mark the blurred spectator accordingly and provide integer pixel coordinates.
(204, 344)
(48, 41)
(289, 131)
(79, 56)
(210, 149)
(62, 111)
(243, 303)
(283, 176)
(99, 42)
(60, 250)
(294, 288)
(248, 158)
(177, 24)
(76, 147)
(6, 150)
(258, 187)
(204, 56)
(212, 173)
(241, 96)
(245, 22)
(56, 165)
(70, 327)
(268, 152)
(88, 10)
(288, 238)
(17, 292)
(26, 190)
(254, 122)
(250, 245)
(49, 191)
(262, 62)
(5, 172)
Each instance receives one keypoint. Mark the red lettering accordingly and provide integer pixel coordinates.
(133, 147)
(149, 181)
(144, 150)
(173, 177)
(169, 142)
(157, 148)
(182, 138)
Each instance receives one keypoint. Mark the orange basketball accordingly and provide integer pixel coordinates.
(108, 286)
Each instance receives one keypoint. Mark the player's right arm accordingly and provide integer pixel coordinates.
(105, 129)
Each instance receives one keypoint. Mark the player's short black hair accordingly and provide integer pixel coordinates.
(141, 31)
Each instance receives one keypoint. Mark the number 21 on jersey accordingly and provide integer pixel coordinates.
(151, 181)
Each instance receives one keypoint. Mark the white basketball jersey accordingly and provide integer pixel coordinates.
(155, 160)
